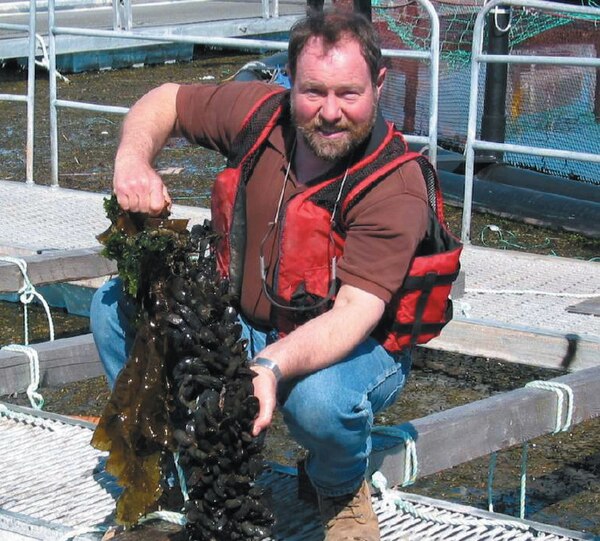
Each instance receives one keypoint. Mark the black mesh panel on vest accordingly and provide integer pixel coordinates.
(429, 176)
(252, 130)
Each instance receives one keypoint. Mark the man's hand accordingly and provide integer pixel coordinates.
(147, 127)
(265, 389)
(138, 187)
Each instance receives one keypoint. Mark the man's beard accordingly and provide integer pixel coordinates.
(339, 147)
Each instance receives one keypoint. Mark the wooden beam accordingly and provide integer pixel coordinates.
(460, 434)
(61, 361)
(534, 347)
(56, 266)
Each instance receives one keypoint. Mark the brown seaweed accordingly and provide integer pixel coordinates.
(186, 388)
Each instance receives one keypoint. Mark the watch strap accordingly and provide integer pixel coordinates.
(268, 363)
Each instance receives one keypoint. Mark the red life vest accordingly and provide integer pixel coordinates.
(304, 283)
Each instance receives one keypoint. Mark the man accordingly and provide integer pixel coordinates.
(313, 308)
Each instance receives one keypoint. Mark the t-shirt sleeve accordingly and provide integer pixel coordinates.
(384, 230)
(211, 115)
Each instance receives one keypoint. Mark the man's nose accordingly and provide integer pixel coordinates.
(330, 109)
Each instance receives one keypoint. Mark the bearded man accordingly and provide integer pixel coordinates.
(320, 218)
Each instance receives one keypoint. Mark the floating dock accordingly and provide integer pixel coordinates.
(53, 487)
(209, 18)
(512, 306)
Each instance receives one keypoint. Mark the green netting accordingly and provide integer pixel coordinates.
(546, 106)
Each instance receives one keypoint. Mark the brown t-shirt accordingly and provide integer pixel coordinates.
(384, 227)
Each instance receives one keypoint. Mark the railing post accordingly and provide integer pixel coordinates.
(52, 96)
(265, 9)
(122, 18)
(31, 94)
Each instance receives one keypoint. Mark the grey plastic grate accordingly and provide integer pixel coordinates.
(52, 482)
(42, 218)
(528, 290)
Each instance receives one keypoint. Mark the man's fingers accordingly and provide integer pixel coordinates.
(157, 202)
(262, 421)
(265, 389)
(143, 192)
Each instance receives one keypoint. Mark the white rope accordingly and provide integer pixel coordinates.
(26, 295)
(168, 516)
(45, 61)
(490, 487)
(181, 477)
(523, 491)
(36, 399)
(27, 418)
(562, 391)
(411, 463)
(530, 292)
(393, 501)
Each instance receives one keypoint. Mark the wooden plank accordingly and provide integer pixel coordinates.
(534, 347)
(61, 361)
(448, 438)
(56, 266)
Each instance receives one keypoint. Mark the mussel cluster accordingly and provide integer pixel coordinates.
(215, 406)
(186, 389)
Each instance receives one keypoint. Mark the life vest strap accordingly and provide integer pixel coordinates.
(420, 282)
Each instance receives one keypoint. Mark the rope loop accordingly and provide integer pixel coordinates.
(27, 293)
(392, 500)
(562, 391)
(168, 516)
(411, 463)
(36, 399)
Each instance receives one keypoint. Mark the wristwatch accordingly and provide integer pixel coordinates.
(268, 363)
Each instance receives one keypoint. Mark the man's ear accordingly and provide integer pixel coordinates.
(380, 81)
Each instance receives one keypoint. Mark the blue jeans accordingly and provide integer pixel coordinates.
(329, 412)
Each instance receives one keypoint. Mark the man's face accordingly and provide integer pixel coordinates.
(333, 99)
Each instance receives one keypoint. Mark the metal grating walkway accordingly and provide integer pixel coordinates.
(37, 218)
(53, 487)
(529, 290)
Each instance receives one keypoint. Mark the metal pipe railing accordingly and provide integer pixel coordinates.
(477, 58)
(236, 43)
(29, 97)
(433, 56)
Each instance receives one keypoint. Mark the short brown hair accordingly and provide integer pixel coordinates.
(333, 26)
